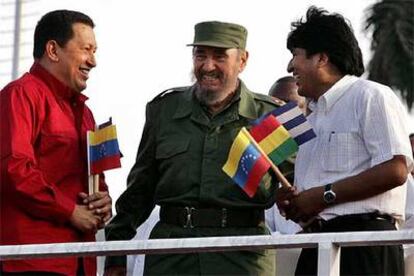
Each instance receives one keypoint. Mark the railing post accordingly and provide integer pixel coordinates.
(328, 259)
(16, 39)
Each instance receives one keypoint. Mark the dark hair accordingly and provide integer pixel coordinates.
(57, 25)
(330, 34)
(286, 79)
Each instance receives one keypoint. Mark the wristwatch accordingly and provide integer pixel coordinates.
(329, 196)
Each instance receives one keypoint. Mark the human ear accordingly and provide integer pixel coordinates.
(323, 59)
(244, 56)
(51, 50)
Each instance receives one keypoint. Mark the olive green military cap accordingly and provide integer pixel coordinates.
(219, 34)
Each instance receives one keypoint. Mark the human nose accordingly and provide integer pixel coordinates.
(91, 60)
(208, 64)
(290, 66)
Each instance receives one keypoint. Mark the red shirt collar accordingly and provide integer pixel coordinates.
(56, 86)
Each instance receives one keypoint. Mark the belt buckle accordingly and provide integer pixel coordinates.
(188, 217)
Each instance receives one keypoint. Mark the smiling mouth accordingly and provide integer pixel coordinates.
(209, 78)
(85, 72)
(297, 79)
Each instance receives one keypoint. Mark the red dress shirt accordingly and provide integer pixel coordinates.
(43, 167)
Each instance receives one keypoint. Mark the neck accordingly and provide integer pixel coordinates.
(326, 84)
(50, 67)
(216, 107)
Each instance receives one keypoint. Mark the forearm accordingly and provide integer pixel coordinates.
(132, 208)
(369, 183)
(372, 182)
(121, 227)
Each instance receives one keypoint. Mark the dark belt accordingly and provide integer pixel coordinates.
(319, 225)
(190, 217)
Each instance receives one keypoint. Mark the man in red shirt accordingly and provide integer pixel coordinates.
(43, 127)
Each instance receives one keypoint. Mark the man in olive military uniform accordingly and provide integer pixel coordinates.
(185, 142)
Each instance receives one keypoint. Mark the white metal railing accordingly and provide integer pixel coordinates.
(328, 244)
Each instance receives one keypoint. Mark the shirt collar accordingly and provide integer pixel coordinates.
(59, 89)
(247, 107)
(333, 94)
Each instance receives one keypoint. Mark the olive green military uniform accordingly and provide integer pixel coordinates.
(179, 163)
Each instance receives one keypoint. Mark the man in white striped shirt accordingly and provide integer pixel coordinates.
(350, 178)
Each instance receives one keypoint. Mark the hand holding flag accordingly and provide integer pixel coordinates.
(276, 136)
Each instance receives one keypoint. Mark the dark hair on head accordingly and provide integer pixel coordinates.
(57, 25)
(286, 79)
(330, 34)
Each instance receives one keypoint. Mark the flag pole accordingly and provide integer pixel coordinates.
(285, 183)
(96, 176)
(96, 183)
(90, 177)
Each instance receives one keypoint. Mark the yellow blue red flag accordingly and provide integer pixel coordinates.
(245, 164)
(103, 150)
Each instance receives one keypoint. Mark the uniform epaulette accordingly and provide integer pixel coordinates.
(266, 98)
(170, 92)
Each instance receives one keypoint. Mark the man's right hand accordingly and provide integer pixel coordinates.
(284, 195)
(115, 271)
(84, 219)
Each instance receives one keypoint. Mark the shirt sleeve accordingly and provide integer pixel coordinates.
(135, 205)
(384, 126)
(409, 204)
(270, 219)
(20, 176)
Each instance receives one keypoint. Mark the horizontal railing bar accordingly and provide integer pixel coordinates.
(160, 246)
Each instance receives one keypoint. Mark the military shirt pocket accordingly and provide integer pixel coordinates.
(171, 148)
(172, 159)
(341, 150)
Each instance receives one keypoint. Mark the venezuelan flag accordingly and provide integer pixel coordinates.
(274, 139)
(103, 149)
(245, 164)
